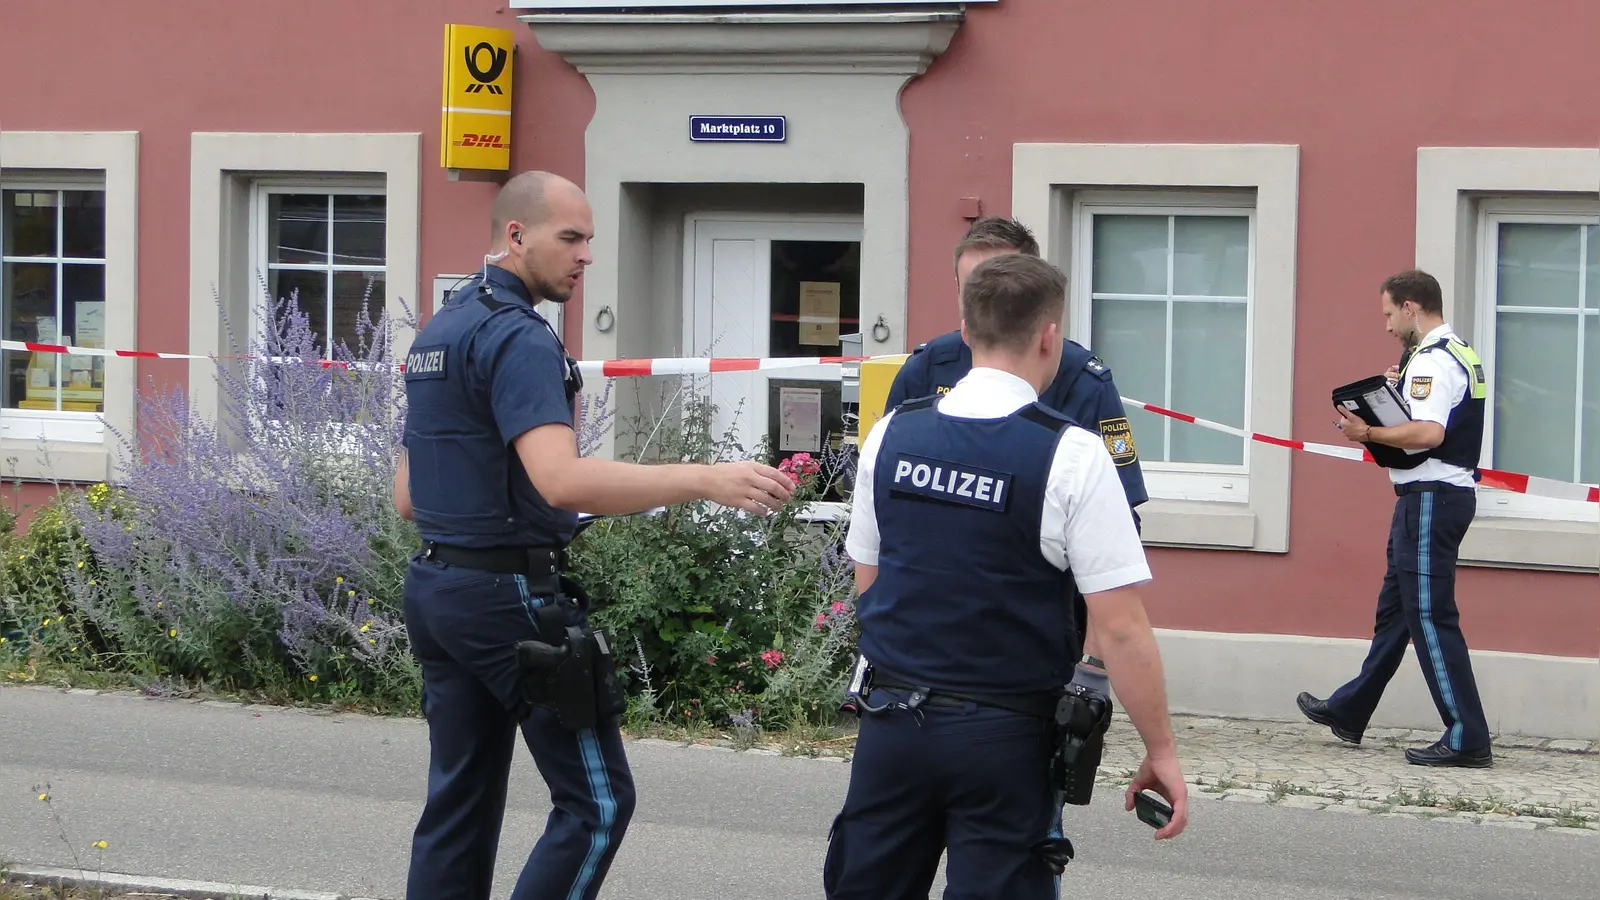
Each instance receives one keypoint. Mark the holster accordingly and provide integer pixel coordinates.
(1082, 717)
(575, 677)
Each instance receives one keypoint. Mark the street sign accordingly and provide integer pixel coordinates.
(738, 129)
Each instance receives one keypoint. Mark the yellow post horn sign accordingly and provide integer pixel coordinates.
(477, 98)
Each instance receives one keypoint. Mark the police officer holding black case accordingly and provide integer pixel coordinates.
(1434, 468)
(491, 475)
(972, 512)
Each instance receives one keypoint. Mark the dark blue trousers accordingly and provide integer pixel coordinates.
(971, 780)
(464, 625)
(1417, 605)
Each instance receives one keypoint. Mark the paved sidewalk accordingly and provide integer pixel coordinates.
(1534, 783)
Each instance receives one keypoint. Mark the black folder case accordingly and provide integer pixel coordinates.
(1374, 401)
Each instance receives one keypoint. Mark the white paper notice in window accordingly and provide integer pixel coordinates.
(799, 420)
(819, 313)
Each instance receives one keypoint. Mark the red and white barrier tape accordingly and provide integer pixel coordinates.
(610, 368)
(700, 365)
(1491, 478)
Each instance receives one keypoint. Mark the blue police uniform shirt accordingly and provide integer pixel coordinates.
(486, 368)
(1083, 391)
(976, 514)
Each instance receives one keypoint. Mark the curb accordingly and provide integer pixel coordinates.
(190, 890)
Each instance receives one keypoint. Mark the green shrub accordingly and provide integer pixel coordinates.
(722, 617)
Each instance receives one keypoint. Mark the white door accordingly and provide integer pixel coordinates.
(743, 279)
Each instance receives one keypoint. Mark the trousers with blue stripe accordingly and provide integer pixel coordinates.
(1417, 606)
(464, 625)
(965, 779)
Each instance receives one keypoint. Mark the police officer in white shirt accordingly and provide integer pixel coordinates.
(1442, 384)
(971, 512)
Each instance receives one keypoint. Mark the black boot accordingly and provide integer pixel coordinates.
(1317, 711)
(1437, 754)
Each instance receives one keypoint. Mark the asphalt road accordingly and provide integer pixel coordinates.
(295, 799)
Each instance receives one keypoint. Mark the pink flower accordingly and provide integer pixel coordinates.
(839, 607)
(772, 658)
(822, 619)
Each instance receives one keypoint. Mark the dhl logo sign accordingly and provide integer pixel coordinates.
(476, 131)
(492, 141)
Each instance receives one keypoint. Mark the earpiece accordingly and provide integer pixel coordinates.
(517, 236)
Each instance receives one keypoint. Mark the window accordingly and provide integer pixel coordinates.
(53, 291)
(1169, 312)
(328, 215)
(1513, 235)
(1181, 259)
(325, 250)
(68, 262)
(1544, 355)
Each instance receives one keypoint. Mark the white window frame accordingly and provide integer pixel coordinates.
(1493, 213)
(77, 445)
(1053, 182)
(1167, 480)
(1458, 188)
(225, 221)
(261, 193)
(65, 425)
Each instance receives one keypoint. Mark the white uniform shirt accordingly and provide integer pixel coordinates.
(1432, 385)
(1086, 519)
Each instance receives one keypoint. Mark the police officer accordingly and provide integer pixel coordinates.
(491, 474)
(1442, 385)
(1082, 388)
(970, 512)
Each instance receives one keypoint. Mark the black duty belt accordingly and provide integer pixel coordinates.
(536, 563)
(1426, 487)
(1041, 705)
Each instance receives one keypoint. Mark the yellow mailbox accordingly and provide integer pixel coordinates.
(877, 376)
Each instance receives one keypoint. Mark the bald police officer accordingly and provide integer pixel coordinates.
(491, 474)
(971, 511)
(1082, 388)
(1442, 385)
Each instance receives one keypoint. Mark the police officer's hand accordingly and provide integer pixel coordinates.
(1354, 429)
(1163, 775)
(749, 486)
(1393, 374)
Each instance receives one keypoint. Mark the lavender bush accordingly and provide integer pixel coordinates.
(259, 552)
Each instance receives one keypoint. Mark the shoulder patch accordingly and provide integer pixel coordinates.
(426, 362)
(1118, 435)
(1421, 387)
(1097, 367)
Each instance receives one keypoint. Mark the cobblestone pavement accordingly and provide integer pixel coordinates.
(1534, 783)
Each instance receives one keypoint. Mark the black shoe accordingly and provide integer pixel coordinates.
(1437, 754)
(1317, 711)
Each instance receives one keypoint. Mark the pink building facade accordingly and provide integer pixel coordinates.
(1225, 185)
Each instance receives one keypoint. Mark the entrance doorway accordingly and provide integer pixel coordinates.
(774, 286)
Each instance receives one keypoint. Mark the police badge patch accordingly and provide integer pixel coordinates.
(1421, 387)
(1118, 435)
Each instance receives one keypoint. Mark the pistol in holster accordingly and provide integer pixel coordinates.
(574, 675)
(1082, 717)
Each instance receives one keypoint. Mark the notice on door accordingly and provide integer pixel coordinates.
(799, 420)
(819, 313)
